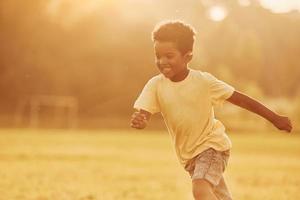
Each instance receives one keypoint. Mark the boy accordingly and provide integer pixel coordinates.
(185, 98)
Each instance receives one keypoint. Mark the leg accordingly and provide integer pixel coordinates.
(203, 190)
(206, 171)
(222, 191)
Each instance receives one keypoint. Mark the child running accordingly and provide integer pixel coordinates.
(186, 100)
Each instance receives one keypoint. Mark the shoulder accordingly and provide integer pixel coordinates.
(154, 81)
(206, 76)
(201, 75)
(157, 77)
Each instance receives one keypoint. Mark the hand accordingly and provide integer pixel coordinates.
(138, 120)
(282, 123)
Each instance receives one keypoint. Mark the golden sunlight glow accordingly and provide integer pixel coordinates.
(281, 6)
(69, 12)
(217, 13)
(244, 2)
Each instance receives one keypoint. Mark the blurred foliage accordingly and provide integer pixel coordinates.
(101, 51)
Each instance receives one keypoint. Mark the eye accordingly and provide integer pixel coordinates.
(169, 56)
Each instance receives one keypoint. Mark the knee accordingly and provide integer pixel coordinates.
(202, 190)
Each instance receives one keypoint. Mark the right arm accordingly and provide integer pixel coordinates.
(139, 119)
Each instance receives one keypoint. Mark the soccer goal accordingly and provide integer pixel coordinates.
(47, 111)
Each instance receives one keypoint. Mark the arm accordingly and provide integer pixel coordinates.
(139, 119)
(241, 100)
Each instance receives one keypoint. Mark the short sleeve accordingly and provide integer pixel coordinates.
(219, 90)
(147, 100)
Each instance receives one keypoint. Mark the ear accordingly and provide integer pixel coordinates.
(188, 56)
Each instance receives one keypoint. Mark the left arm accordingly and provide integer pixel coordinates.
(246, 102)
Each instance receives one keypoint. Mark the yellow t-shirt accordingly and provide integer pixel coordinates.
(187, 109)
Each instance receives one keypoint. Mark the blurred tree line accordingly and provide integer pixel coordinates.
(102, 54)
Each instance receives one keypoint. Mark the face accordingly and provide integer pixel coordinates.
(170, 61)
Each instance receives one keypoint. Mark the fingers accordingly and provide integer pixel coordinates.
(287, 125)
(138, 116)
(283, 123)
(289, 128)
(138, 125)
(138, 120)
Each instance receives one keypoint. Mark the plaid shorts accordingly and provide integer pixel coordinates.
(210, 165)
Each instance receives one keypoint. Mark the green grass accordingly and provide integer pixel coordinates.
(137, 165)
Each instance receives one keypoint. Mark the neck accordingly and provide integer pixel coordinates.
(180, 76)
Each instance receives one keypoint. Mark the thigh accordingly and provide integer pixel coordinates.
(202, 189)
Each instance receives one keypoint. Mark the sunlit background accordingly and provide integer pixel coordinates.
(70, 71)
(73, 63)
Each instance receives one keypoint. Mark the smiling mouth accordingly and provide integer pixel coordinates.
(166, 70)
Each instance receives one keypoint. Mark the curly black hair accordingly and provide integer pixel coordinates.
(175, 31)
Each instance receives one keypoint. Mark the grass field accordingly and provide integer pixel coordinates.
(132, 165)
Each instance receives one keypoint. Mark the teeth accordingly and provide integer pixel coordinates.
(166, 70)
